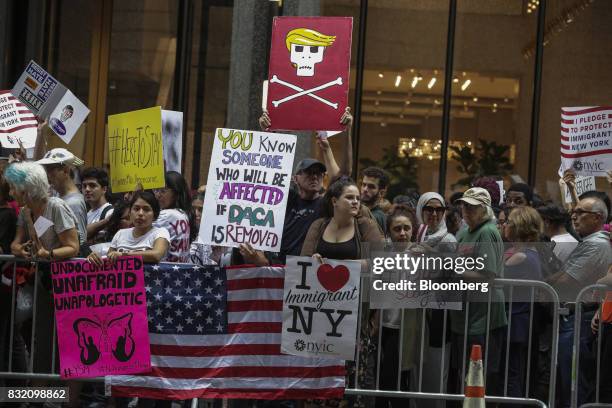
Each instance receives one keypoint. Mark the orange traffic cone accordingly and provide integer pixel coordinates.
(474, 387)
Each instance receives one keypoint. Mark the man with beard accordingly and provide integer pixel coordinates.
(373, 188)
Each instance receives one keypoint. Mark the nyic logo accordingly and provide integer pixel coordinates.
(578, 165)
(299, 345)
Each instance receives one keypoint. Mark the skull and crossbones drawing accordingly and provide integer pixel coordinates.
(306, 48)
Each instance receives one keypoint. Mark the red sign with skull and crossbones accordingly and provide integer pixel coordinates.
(308, 80)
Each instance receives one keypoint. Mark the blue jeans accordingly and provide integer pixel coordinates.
(587, 363)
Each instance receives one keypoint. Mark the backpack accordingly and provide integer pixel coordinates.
(549, 261)
(104, 212)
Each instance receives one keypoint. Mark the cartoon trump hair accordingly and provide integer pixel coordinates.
(306, 47)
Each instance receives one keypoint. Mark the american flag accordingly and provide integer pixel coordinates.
(215, 333)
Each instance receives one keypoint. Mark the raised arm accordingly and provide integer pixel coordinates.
(346, 167)
(569, 177)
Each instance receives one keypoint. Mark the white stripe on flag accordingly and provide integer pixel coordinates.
(237, 383)
(244, 361)
(255, 294)
(214, 340)
(255, 316)
(250, 273)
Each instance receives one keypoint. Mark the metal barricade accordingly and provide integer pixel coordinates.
(441, 395)
(595, 291)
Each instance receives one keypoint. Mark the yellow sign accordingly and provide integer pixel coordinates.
(135, 150)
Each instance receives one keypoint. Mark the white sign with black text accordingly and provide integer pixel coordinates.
(320, 308)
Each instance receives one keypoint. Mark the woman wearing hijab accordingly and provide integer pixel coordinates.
(430, 213)
(433, 236)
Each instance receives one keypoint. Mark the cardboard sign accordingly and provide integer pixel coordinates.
(583, 184)
(586, 140)
(320, 308)
(67, 117)
(101, 316)
(502, 192)
(309, 70)
(247, 189)
(412, 298)
(135, 150)
(38, 90)
(172, 135)
(17, 123)
(48, 98)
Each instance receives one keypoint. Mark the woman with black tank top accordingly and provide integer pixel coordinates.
(340, 232)
(339, 235)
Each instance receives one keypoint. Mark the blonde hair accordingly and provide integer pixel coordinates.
(525, 224)
(308, 37)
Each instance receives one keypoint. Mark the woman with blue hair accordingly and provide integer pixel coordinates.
(55, 236)
(46, 230)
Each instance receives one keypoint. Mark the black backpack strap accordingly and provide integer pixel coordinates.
(104, 212)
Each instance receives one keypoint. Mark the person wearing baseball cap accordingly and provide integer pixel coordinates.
(482, 243)
(59, 164)
(303, 205)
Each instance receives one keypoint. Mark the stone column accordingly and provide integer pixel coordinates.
(248, 68)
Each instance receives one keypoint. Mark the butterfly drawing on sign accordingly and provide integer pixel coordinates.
(105, 336)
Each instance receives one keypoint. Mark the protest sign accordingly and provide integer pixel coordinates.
(101, 317)
(586, 140)
(67, 117)
(247, 188)
(502, 192)
(172, 135)
(39, 90)
(135, 150)
(309, 72)
(48, 98)
(408, 294)
(17, 123)
(583, 184)
(320, 308)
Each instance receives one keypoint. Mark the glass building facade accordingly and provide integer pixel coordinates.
(435, 84)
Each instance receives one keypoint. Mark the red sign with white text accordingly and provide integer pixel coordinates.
(309, 72)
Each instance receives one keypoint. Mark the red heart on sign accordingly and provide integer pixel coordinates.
(333, 278)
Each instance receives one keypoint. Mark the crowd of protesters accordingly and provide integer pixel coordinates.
(51, 210)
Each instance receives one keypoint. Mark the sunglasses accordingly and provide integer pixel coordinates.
(439, 210)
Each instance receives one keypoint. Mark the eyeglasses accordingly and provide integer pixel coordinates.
(579, 211)
(161, 190)
(439, 210)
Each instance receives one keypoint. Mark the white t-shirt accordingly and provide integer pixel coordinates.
(124, 240)
(564, 245)
(176, 222)
(94, 215)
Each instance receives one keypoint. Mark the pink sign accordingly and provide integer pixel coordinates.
(101, 315)
(309, 71)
